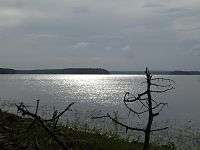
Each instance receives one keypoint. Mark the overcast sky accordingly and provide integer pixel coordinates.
(112, 34)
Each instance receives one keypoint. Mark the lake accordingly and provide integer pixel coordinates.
(99, 94)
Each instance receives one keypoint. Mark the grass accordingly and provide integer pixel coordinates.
(76, 138)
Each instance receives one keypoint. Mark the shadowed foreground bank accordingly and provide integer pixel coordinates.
(15, 135)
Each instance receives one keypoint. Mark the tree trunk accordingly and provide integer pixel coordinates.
(150, 119)
(147, 133)
(146, 142)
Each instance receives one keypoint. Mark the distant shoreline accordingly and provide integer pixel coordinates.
(92, 71)
(56, 71)
(158, 72)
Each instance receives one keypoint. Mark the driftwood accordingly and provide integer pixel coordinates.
(148, 105)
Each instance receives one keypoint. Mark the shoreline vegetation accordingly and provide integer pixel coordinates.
(92, 71)
(18, 132)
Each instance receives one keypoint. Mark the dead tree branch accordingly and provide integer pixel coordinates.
(36, 118)
(120, 123)
(160, 129)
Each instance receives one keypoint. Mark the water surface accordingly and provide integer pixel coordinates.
(99, 94)
(98, 90)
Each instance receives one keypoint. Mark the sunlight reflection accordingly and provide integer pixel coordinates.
(102, 89)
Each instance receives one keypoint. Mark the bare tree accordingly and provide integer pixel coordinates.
(148, 105)
(37, 119)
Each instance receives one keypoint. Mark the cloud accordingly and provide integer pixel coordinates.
(195, 50)
(108, 48)
(80, 10)
(104, 32)
(80, 45)
(126, 48)
(153, 5)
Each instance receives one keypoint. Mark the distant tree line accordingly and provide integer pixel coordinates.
(56, 71)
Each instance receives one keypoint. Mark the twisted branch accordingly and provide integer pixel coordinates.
(25, 112)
